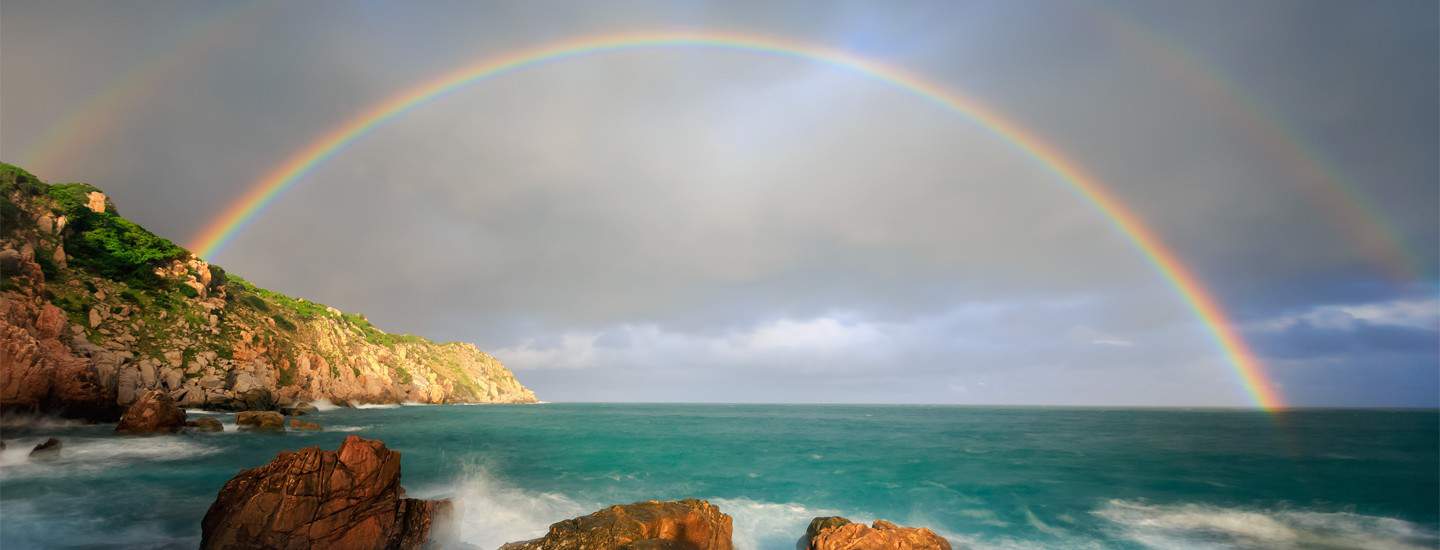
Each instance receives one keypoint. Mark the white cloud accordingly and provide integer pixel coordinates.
(1421, 313)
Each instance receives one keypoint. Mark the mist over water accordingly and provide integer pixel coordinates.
(983, 477)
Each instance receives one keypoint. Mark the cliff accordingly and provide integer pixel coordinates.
(95, 311)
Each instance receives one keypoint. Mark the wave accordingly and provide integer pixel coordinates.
(493, 512)
(377, 406)
(323, 405)
(1204, 526)
(80, 455)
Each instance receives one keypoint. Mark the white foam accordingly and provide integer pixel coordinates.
(345, 428)
(324, 405)
(377, 406)
(1204, 526)
(759, 524)
(494, 512)
(78, 455)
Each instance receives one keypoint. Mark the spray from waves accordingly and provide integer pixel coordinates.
(377, 406)
(37, 422)
(324, 405)
(493, 512)
(770, 525)
(1203, 526)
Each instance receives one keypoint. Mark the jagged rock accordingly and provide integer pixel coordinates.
(96, 201)
(349, 498)
(298, 409)
(297, 424)
(837, 533)
(47, 450)
(154, 412)
(679, 525)
(206, 424)
(260, 420)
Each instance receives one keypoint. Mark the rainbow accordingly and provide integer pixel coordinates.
(1248, 368)
(104, 111)
(1369, 229)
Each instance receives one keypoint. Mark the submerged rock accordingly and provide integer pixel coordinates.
(837, 533)
(47, 450)
(298, 409)
(153, 412)
(684, 524)
(312, 498)
(297, 424)
(260, 420)
(206, 424)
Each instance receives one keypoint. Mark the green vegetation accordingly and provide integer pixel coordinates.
(13, 178)
(287, 376)
(402, 375)
(118, 249)
(376, 336)
(283, 323)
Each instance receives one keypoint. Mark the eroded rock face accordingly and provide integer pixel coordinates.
(260, 420)
(836, 533)
(297, 424)
(154, 412)
(678, 525)
(312, 498)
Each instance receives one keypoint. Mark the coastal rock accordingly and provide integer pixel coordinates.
(298, 409)
(349, 498)
(260, 420)
(46, 450)
(837, 533)
(206, 424)
(684, 524)
(297, 424)
(153, 412)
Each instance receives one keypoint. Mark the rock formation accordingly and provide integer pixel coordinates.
(349, 498)
(205, 424)
(154, 412)
(260, 420)
(673, 525)
(297, 424)
(95, 311)
(836, 533)
(47, 450)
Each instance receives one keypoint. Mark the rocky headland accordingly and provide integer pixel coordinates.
(95, 312)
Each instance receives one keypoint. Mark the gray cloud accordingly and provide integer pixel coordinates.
(688, 223)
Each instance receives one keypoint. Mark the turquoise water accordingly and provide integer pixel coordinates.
(984, 477)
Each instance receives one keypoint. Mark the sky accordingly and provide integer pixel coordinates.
(693, 224)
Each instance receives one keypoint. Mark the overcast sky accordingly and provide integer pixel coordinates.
(690, 224)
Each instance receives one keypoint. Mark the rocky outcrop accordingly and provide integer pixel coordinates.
(154, 412)
(47, 450)
(349, 498)
(205, 424)
(297, 424)
(86, 330)
(836, 533)
(678, 525)
(260, 420)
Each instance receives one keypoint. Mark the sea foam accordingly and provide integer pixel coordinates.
(1204, 526)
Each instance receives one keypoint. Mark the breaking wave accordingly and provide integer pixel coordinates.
(80, 455)
(1203, 526)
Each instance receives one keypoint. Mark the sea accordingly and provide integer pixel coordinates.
(983, 477)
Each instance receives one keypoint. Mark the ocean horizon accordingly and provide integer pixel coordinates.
(983, 477)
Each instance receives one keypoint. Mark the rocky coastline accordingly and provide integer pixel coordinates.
(96, 312)
(351, 498)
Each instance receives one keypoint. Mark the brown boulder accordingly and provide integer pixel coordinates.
(297, 424)
(653, 525)
(153, 412)
(312, 498)
(206, 424)
(835, 533)
(260, 420)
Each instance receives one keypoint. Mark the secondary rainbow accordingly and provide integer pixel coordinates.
(1248, 368)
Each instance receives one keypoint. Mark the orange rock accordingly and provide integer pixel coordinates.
(675, 525)
(312, 498)
(836, 533)
(153, 412)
